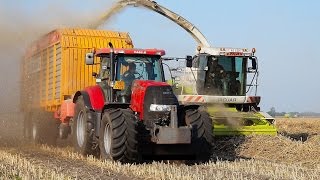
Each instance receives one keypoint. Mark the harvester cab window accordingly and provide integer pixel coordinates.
(225, 76)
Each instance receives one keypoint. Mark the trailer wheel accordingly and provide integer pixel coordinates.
(118, 136)
(35, 134)
(64, 130)
(82, 129)
(202, 135)
(27, 127)
(43, 129)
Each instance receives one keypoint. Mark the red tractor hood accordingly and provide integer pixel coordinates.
(139, 88)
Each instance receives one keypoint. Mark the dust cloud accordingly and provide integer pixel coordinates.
(231, 119)
(108, 16)
(22, 22)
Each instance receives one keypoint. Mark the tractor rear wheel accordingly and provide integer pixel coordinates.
(118, 136)
(82, 129)
(202, 135)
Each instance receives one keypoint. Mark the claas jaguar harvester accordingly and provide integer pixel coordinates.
(128, 119)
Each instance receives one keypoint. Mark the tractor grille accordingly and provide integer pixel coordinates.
(157, 95)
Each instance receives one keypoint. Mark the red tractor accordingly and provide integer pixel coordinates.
(131, 113)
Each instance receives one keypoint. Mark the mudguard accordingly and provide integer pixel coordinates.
(93, 97)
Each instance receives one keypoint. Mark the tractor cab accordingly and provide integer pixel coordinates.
(119, 68)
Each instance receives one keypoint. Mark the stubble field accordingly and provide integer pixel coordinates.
(293, 154)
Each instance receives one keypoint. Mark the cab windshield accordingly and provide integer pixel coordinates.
(145, 67)
(222, 75)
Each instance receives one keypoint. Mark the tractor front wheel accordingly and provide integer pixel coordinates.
(202, 135)
(118, 136)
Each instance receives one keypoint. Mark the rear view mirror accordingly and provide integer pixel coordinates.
(189, 61)
(94, 74)
(89, 59)
(254, 63)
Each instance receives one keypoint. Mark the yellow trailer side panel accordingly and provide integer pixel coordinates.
(54, 66)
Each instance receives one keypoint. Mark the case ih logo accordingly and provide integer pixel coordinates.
(140, 52)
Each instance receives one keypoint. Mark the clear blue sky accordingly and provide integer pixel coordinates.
(285, 33)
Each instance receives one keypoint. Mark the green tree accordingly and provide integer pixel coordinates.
(272, 112)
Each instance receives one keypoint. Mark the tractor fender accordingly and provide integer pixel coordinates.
(116, 106)
(93, 97)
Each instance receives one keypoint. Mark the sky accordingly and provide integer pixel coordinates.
(285, 33)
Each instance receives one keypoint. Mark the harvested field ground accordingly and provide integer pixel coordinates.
(293, 154)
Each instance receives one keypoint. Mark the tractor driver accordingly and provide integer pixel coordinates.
(128, 77)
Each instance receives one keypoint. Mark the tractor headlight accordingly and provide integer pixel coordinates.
(160, 108)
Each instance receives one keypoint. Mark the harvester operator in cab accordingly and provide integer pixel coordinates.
(216, 70)
(217, 75)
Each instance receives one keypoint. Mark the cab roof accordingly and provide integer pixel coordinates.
(132, 51)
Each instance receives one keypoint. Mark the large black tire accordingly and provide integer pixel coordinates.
(82, 130)
(202, 135)
(42, 129)
(118, 136)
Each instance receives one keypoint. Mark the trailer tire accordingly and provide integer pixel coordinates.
(82, 135)
(43, 129)
(27, 134)
(118, 136)
(202, 135)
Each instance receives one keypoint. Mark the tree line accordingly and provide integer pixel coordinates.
(274, 113)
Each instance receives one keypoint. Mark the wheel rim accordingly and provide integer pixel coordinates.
(60, 132)
(107, 138)
(80, 128)
(34, 132)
